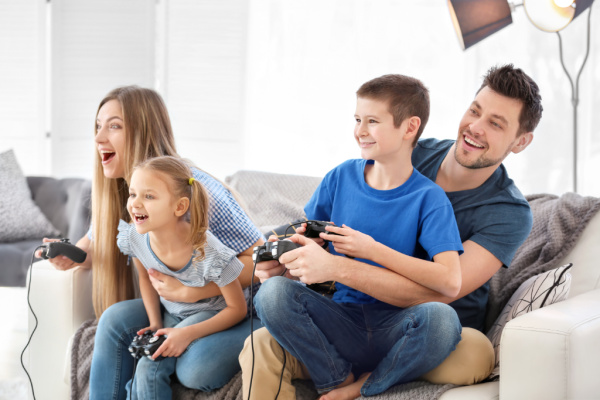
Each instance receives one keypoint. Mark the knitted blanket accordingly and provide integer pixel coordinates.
(557, 225)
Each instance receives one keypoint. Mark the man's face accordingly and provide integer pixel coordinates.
(488, 131)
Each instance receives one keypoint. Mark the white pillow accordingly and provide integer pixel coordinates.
(20, 218)
(536, 292)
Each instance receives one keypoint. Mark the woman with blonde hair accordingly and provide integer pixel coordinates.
(133, 125)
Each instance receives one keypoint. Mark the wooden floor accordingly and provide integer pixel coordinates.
(14, 383)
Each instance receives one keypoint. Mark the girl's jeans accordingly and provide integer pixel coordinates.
(397, 345)
(208, 363)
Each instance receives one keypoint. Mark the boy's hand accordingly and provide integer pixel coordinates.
(268, 269)
(351, 242)
(178, 339)
(310, 263)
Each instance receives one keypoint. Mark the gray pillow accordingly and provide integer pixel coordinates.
(20, 218)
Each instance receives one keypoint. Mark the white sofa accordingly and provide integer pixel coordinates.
(550, 353)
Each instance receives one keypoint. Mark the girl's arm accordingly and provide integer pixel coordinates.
(171, 289)
(150, 298)
(178, 339)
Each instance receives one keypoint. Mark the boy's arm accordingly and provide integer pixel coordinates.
(178, 339)
(442, 275)
(149, 296)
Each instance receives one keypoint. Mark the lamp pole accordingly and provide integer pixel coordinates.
(575, 93)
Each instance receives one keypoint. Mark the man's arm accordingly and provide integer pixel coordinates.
(477, 265)
(313, 264)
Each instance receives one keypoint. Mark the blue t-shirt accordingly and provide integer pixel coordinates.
(415, 218)
(495, 215)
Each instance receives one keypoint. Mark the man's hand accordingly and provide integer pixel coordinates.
(268, 269)
(309, 263)
(351, 242)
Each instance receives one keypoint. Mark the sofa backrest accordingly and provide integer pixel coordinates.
(585, 273)
(273, 199)
(65, 202)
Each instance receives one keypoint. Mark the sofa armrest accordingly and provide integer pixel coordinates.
(62, 301)
(553, 352)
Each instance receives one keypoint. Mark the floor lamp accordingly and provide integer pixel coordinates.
(474, 20)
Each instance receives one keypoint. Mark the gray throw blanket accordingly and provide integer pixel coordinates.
(557, 225)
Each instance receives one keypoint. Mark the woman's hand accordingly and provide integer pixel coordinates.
(61, 262)
(167, 287)
(178, 339)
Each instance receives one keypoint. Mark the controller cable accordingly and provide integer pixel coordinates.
(252, 336)
(34, 316)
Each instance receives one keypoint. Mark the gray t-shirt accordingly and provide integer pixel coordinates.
(220, 265)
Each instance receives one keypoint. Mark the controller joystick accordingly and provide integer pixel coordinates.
(145, 345)
(273, 250)
(65, 248)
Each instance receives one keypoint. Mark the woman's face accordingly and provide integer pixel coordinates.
(110, 139)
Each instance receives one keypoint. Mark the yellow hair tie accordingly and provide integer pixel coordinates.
(191, 181)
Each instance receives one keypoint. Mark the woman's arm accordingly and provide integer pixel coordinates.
(150, 298)
(171, 289)
(178, 339)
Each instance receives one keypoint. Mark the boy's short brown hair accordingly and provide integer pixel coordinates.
(406, 97)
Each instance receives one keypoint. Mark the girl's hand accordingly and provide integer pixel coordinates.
(148, 328)
(178, 339)
(62, 263)
(351, 242)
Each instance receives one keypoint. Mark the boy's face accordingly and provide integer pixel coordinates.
(488, 131)
(375, 132)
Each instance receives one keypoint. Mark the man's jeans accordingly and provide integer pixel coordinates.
(397, 345)
(208, 363)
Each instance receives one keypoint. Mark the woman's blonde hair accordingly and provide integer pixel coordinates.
(148, 135)
(181, 183)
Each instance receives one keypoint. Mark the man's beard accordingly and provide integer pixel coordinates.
(482, 161)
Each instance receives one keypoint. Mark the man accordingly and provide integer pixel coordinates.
(492, 216)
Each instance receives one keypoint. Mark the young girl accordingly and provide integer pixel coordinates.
(169, 210)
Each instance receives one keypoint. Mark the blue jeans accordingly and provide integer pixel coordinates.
(208, 363)
(397, 345)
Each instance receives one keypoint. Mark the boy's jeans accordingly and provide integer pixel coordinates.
(397, 345)
(207, 364)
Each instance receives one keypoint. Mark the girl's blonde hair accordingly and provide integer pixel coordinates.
(181, 183)
(148, 134)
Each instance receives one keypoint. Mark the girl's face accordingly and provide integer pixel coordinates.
(151, 204)
(110, 139)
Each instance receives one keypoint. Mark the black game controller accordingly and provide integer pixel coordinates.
(273, 250)
(145, 345)
(65, 248)
(314, 228)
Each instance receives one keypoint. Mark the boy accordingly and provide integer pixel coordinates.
(392, 218)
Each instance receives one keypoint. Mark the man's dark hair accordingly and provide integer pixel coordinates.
(406, 97)
(516, 84)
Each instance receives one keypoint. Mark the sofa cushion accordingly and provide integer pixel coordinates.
(21, 218)
(538, 291)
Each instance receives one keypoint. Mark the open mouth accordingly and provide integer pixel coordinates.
(107, 155)
(140, 217)
(471, 143)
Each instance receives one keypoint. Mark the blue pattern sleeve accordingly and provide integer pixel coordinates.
(123, 238)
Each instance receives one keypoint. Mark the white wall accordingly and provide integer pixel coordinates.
(269, 84)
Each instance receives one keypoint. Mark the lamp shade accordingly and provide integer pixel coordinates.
(550, 17)
(474, 20)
